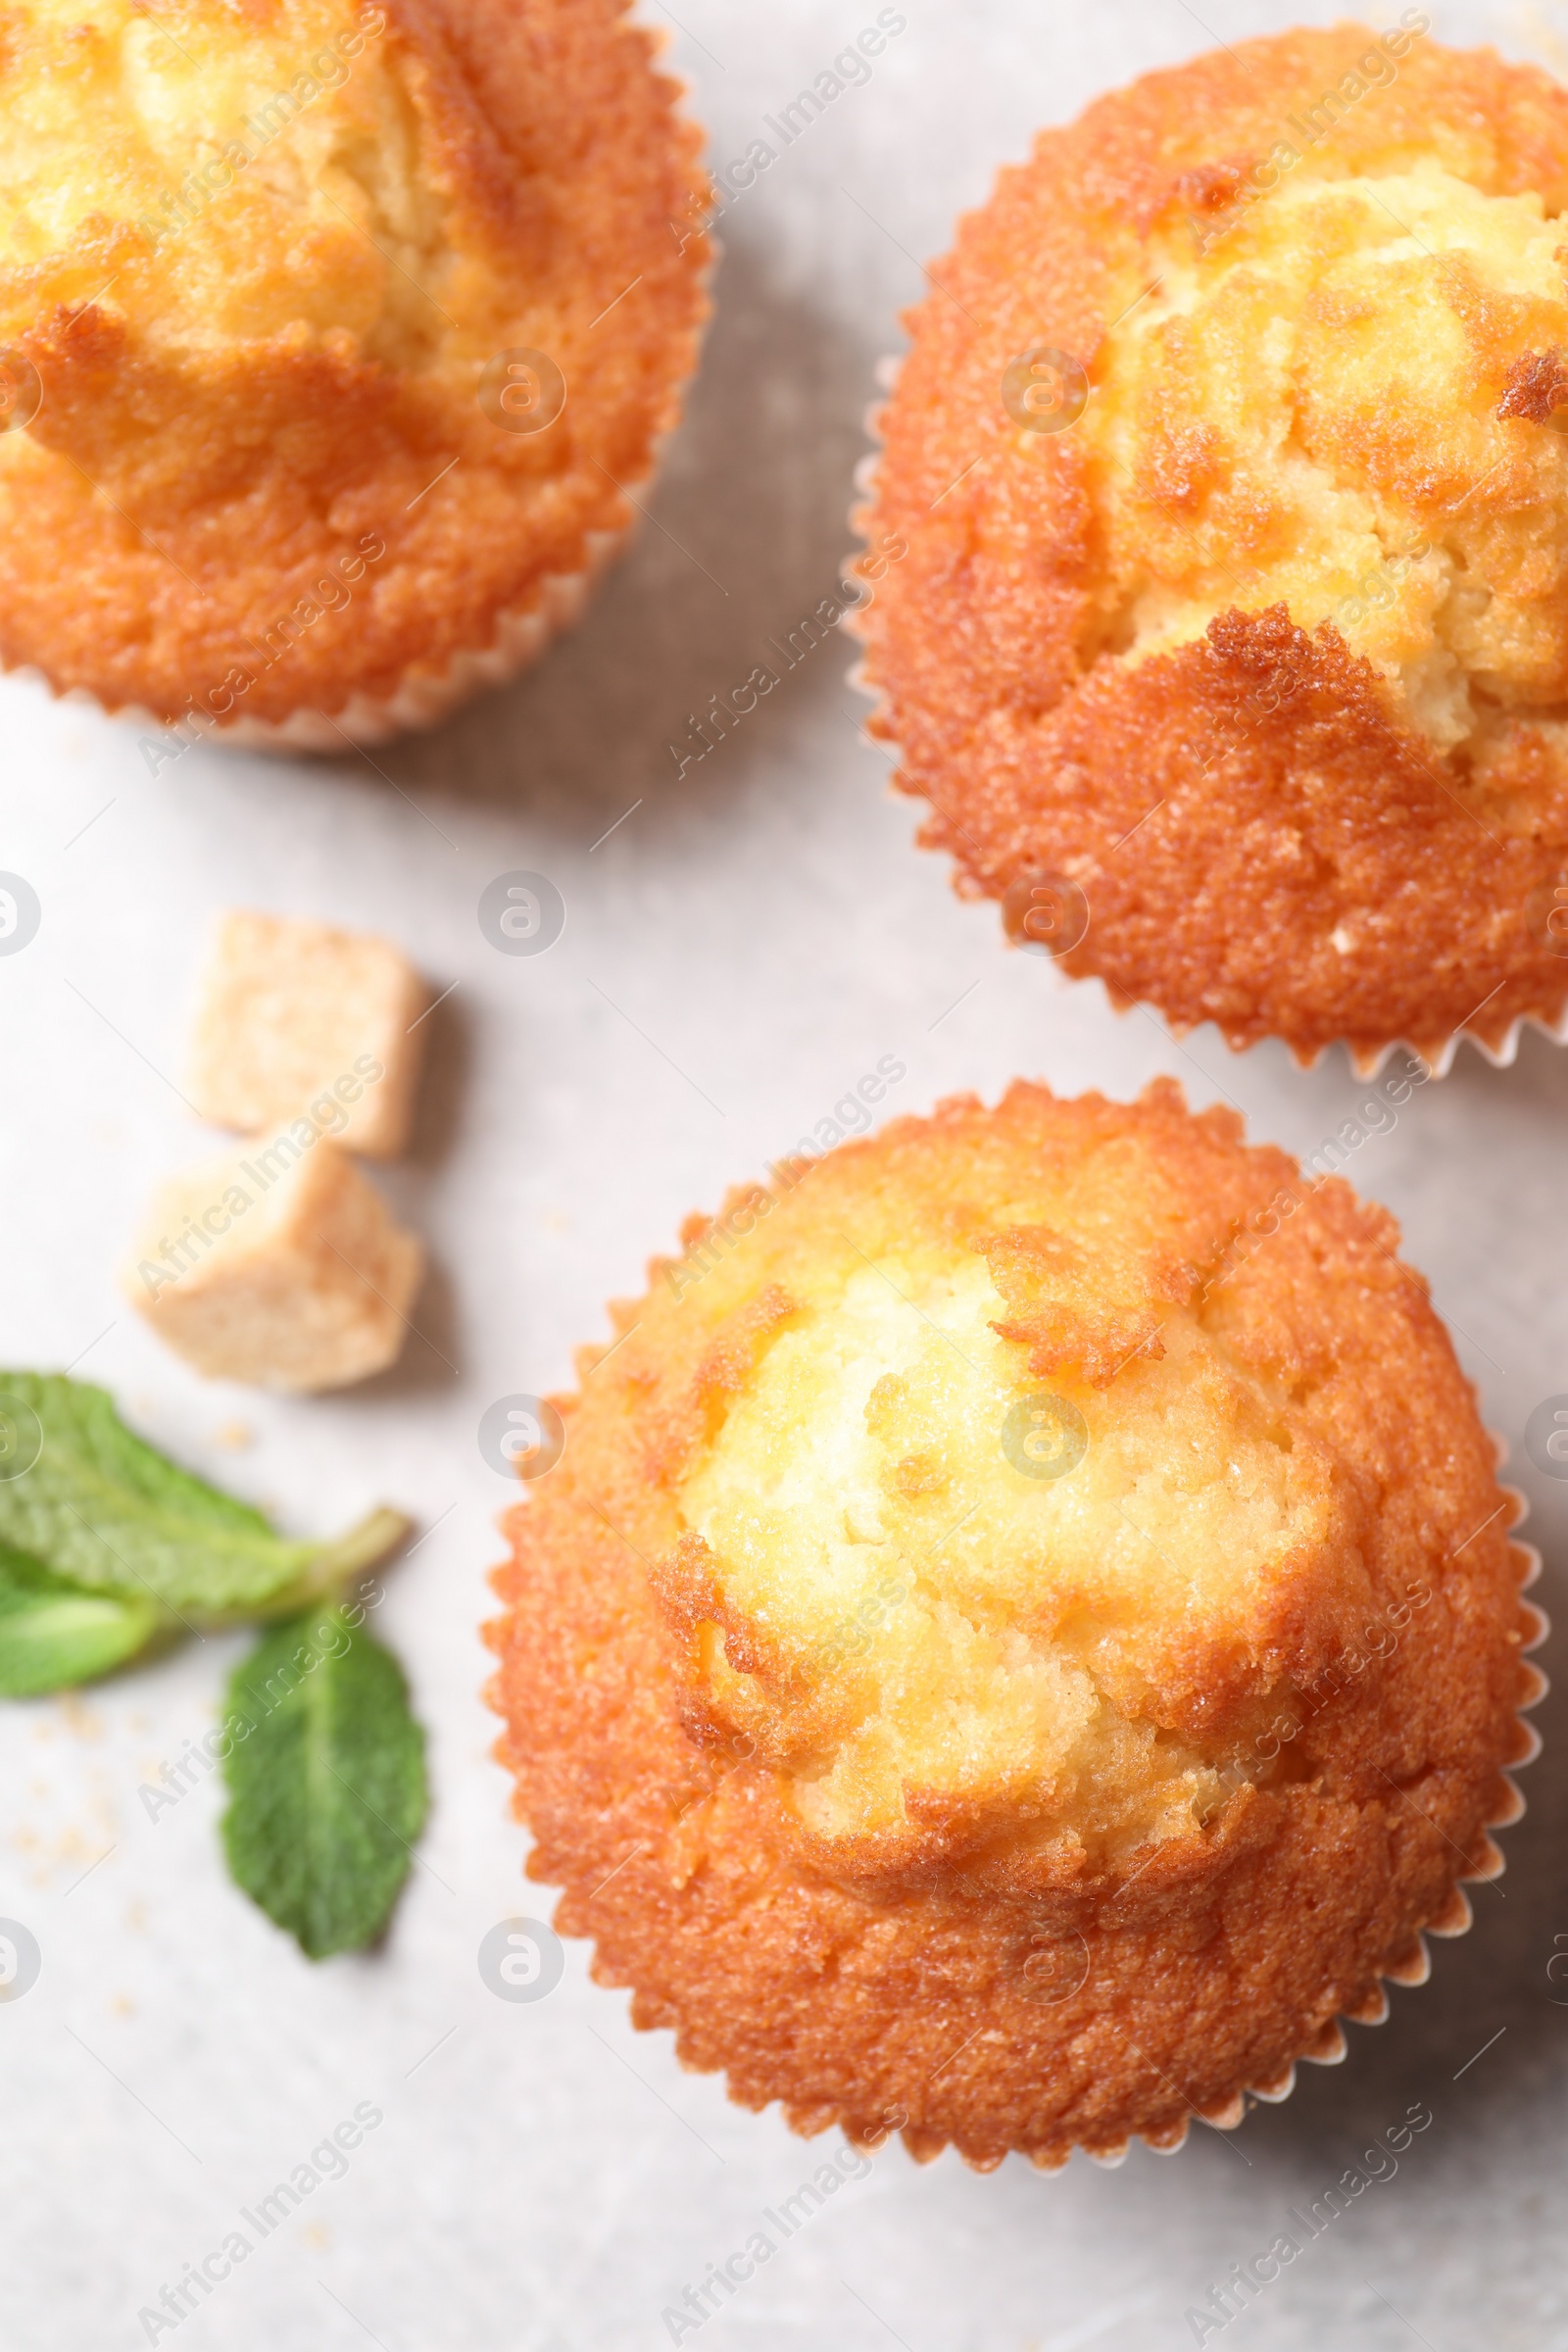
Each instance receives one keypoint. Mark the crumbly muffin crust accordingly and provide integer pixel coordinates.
(919, 1786)
(1263, 645)
(258, 257)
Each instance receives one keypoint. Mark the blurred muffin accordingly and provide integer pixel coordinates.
(1021, 1634)
(1232, 452)
(331, 340)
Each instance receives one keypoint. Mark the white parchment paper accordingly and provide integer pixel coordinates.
(742, 943)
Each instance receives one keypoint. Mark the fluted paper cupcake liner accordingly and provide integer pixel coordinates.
(424, 698)
(1408, 1964)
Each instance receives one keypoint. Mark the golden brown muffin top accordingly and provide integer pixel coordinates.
(983, 1513)
(260, 255)
(1236, 499)
(1032, 1583)
(1320, 410)
(994, 1543)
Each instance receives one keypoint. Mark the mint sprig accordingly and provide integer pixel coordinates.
(326, 1769)
(108, 1548)
(106, 1511)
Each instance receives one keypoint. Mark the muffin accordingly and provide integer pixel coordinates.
(333, 342)
(1022, 1633)
(1231, 648)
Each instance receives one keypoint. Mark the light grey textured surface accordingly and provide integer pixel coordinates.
(736, 954)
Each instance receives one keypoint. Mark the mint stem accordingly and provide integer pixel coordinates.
(375, 1535)
(326, 1570)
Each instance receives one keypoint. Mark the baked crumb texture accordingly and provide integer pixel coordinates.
(1001, 1656)
(1268, 651)
(259, 257)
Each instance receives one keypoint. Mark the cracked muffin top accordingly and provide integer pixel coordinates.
(1056, 1538)
(1322, 408)
(989, 1542)
(1233, 455)
(264, 265)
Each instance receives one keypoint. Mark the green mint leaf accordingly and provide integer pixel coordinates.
(53, 1634)
(107, 1513)
(325, 1772)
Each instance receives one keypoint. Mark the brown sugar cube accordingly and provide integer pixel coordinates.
(296, 1017)
(282, 1267)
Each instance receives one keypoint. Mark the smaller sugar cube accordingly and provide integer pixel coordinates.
(282, 1267)
(296, 1017)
